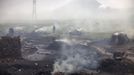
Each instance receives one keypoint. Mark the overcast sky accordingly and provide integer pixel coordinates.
(64, 9)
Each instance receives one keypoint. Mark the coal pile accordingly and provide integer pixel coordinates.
(123, 67)
(119, 38)
(10, 47)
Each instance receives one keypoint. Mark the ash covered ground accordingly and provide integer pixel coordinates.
(71, 53)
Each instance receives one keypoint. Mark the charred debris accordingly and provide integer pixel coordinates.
(116, 55)
(10, 46)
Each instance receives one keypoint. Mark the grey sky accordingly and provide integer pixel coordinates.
(63, 9)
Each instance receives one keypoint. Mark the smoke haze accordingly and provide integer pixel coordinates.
(89, 15)
(76, 58)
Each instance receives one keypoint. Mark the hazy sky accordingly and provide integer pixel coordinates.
(64, 9)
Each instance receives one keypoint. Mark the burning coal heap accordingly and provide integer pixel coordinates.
(76, 57)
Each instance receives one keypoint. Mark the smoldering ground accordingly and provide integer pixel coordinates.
(95, 16)
(76, 57)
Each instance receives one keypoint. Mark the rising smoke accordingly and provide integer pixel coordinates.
(76, 58)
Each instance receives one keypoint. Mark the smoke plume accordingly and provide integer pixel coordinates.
(75, 58)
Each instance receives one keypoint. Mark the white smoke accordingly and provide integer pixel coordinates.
(75, 58)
